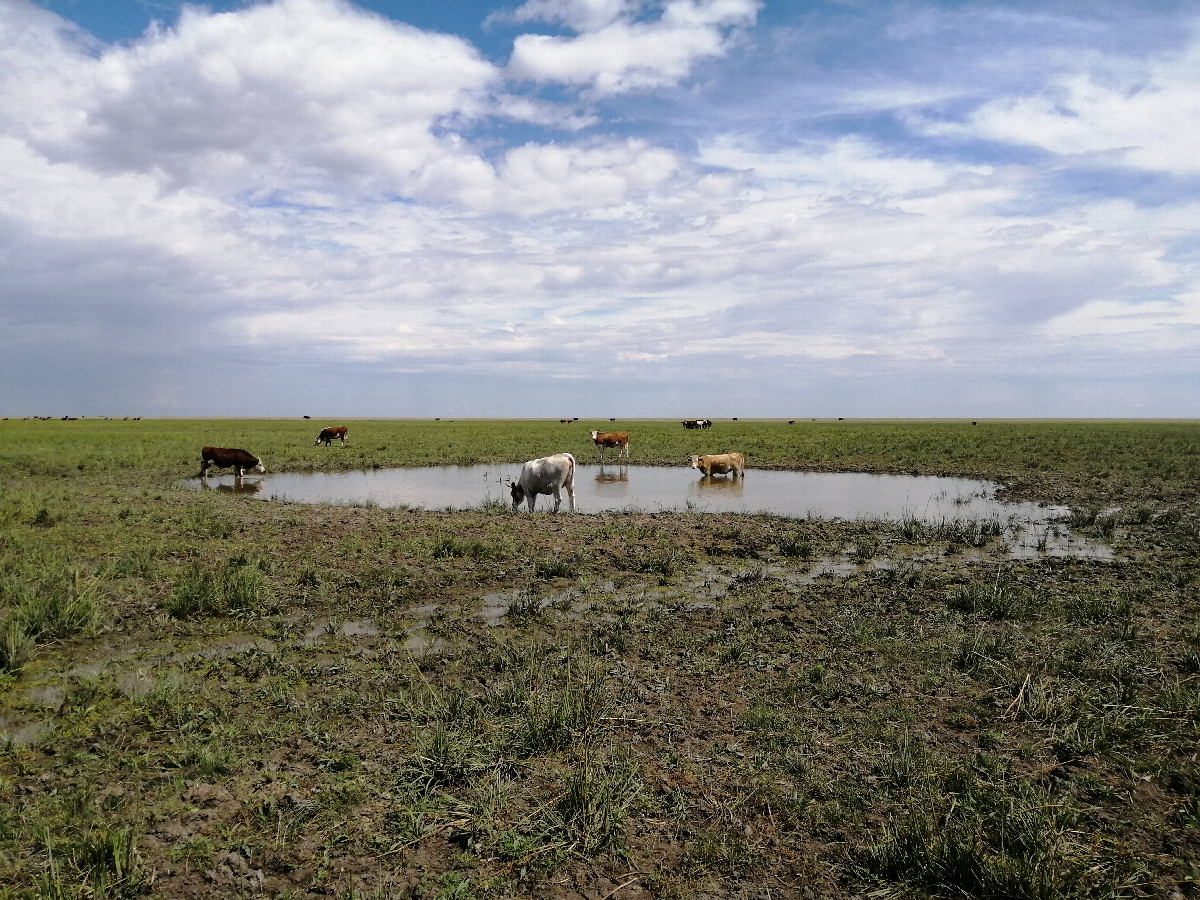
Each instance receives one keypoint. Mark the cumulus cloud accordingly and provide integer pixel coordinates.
(319, 187)
(615, 52)
(303, 92)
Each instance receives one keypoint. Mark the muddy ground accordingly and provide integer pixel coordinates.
(356, 702)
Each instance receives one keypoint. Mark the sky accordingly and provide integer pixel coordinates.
(600, 208)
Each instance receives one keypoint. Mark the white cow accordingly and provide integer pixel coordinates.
(545, 476)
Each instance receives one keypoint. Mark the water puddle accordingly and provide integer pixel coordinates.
(21, 733)
(332, 628)
(839, 495)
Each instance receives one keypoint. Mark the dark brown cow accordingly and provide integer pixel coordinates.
(226, 457)
(604, 439)
(328, 434)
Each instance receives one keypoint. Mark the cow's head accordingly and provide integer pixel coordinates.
(518, 493)
(694, 462)
(595, 434)
(258, 467)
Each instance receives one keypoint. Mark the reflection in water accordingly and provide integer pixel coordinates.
(718, 486)
(608, 476)
(841, 495)
(611, 484)
(237, 486)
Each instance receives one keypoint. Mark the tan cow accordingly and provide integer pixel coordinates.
(720, 464)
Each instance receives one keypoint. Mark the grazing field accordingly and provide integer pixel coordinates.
(208, 695)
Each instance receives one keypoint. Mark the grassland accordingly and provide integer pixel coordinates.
(209, 695)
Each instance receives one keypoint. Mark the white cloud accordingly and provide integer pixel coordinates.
(1143, 115)
(306, 183)
(615, 53)
(281, 95)
(578, 15)
(537, 178)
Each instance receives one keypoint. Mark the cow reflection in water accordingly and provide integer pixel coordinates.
(612, 482)
(239, 486)
(710, 485)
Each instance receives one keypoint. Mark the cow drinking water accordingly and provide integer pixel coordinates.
(547, 475)
(226, 458)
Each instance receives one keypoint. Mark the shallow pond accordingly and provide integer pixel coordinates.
(843, 495)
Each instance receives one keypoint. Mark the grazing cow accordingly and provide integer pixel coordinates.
(224, 458)
(545, 476)
(604, 439)
(720, 464)
(328, 434)
(696, 423)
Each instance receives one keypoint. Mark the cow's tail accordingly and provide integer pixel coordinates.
(569, 481)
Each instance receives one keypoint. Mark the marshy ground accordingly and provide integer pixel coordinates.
(210, 695)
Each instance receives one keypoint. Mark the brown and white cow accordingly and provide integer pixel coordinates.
(545, 476)
(720, 464)
(328, 434)
(604, 439)
(225, 457)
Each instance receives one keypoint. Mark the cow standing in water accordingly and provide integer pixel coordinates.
(720, 464)
(545, 476)
(228, 457)
(328, 434)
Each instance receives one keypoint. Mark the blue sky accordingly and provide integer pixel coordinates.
(599, 208)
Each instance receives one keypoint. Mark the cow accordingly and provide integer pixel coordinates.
(720, 464)
(545, 476)
(604, 439)
(224, 458)
(328, 434)
(696, 423)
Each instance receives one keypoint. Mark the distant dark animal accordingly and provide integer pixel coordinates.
(791, 421)
(547, 475)
(604, 439)
(225, 458)
(308, 417)
(720, 464)
(697, 423)
(328, 434)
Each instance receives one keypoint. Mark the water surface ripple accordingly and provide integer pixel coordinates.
(825, 495)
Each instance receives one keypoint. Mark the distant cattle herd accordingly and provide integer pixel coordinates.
(549, 475)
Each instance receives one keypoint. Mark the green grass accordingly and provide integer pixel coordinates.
(218, 696)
